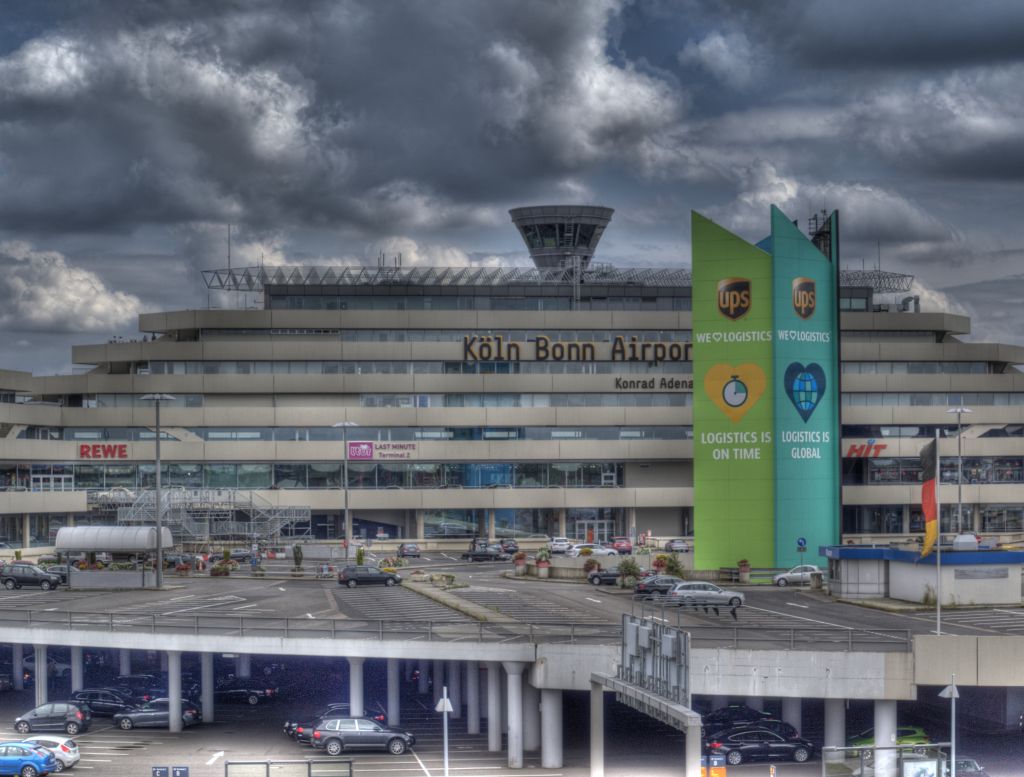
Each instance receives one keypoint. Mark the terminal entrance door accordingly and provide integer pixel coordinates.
(595, 530)
(55, 481)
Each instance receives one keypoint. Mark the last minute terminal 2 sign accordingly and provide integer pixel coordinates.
(765, 395)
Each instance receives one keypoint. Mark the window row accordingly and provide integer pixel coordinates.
(473, 302)
(311, 475)
(908, 519)
(410, 367)
(456, 335)
(638, 399)
(931, 399)
(878, 472)
(916, 368)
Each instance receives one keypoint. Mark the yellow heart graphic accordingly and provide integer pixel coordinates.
(734, 388)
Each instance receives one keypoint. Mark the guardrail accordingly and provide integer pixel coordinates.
(312, 628)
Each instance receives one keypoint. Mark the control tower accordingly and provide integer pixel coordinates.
(561, 236)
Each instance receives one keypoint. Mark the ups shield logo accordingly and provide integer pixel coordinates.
(734, 297)
(804, 297)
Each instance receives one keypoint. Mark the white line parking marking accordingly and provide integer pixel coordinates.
(424, 768)
(591, 599)
(794, 604)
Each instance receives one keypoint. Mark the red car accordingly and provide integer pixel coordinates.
(622, 545)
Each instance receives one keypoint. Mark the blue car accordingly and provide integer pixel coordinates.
(26, 759)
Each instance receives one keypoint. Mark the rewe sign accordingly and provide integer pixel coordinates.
(103, 451)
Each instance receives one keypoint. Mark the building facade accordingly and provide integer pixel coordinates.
(454, 402)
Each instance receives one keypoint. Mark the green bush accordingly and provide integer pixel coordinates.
(586, 551)
(673, 567)
(360, 556)
(17, 555)
(297, 556)
(590, 565)
(628, 568)
(544, 554)
(226, 555)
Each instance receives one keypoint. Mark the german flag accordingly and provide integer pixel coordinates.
(929, 503)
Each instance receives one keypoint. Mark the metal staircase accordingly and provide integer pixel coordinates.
(207, 514)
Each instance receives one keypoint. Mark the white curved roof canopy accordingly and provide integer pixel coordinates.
(110, 539)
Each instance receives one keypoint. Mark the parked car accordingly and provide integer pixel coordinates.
(733, 715)
(759, 744)
(969, 768)
(483, 552)
(509, 545)
(303, 731)
(21, 573)
(622, 545)
(905, 735)
(243, 690)
(65, 750)
(772, 724)
(70, 718)
(156, 714)
(692, 592)
(60, 570)
(241, 555)
(362, 575)
(54, 668)
(677, 546)
(595, 550)
(336, 735)
(103, 701)
(655, 586)
(408, 550)
(26, 759)
(603, 576)
(800, 575)
(559, 545)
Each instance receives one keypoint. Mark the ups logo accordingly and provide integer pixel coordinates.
(734, 297)
(803, 297)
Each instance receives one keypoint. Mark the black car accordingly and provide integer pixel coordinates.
(303, 731)
(336, 735)
(103, 701)
(780, 727)
(759, 744)
(655, 587)
(509, 546)
(60, 570)
(733, 715)
(408, 550)
(243, 690)
(21, 574)
(480, 552)
(156, 714)
(362, 575)
(70, 718)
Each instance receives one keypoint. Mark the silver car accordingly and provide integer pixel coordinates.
(697, 593)
(595, 550)
(64, 749)
(800, 575)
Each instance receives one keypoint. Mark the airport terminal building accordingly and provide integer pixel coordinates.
(444, 403)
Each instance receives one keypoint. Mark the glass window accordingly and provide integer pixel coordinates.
(325, 475)
(185, 475)
(220, 475)
(254, 475)
(289, 476)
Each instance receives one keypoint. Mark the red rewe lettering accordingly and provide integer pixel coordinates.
(97, 451)
(109, 451)
(84, 451)
(122, 451)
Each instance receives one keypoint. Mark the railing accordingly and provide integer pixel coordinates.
(759, 637)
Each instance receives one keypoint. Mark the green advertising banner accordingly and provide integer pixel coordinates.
(733, 395)
(806, 397)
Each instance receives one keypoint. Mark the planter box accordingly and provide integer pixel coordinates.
(102, 578)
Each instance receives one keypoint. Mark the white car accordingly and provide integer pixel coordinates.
(65, 750)
(800, 575)
(694, 592)
(559, 545)
(595, 550)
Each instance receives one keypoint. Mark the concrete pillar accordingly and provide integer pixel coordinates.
(77, 669)
(492, 534)
(493, 707)
(631, 521)
(394, 711)
(423, 681)
(455, 688)
(561, 523)
(885, 735)
(596, 729)
(206, 685)
(26, 531)
(694, 750)
(174, 690)
(355, 687)
(551, 729)
(18, 666)
(124, 661)
(835, 727)
(472, 697)
(243, 665)
(40, 674)
(531, 717)
(437, 675)
(514, 705)
(420, 532)
(792, 712)
(503, 708)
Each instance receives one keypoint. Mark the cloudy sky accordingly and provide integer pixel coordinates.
(132, 132)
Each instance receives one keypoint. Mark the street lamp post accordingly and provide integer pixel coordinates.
(344, 426)
(950, 692)
(156, 399)
(959, 410)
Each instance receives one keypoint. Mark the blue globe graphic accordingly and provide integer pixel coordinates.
(805, 392)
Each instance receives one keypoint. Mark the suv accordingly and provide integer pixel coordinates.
(622, 545)
(361, 575)
(559, 544)
(408, 550)
(22, 573)
(72, 719)
(336, 735)
(102, 701)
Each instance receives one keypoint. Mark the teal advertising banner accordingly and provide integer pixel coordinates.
(806, 398)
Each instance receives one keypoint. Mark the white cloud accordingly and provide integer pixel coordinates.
(41, 291)
(729, 57)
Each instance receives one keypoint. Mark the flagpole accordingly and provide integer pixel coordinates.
(938, 541)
